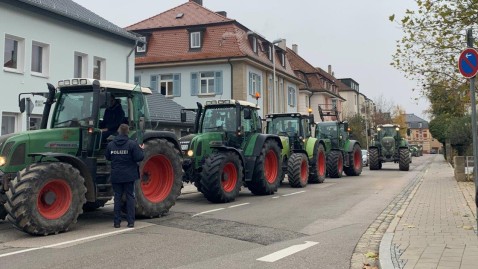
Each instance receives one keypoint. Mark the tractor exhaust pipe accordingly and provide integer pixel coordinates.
(49, 101)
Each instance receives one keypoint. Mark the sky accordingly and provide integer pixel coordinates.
(354, 37)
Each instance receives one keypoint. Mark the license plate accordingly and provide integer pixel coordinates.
(184, 147)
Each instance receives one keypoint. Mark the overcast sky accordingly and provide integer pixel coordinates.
(354, 36)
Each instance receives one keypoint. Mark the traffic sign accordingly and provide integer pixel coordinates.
(468, 62)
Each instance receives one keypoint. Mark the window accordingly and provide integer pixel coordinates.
(170, 85)
(13, 53)
(81, 65)
(141, 48)
(282, 59)
(271, 49)
(291, 97)
(195, 38)
(99, 66)
(40, 58)
(254, 44)
(137, 80)
(35, 122)
(255, 83)
(307, 104)
(334, 103)
(206, 83)
(8, 123)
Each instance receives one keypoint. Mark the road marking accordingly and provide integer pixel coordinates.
(275, 197)
(66, 242)
(287, 252)
(289, 194)
(232, 206)
(209, 211)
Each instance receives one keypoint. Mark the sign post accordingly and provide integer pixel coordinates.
(468, 65)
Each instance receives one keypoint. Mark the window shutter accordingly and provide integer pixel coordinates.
(177, 85)
(218, 82)
(250, 84)
(288, 97)
(194, 84)
(154, 83)
(294, 97)
(259, 84)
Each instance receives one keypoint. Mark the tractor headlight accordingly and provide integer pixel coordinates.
(190, 153)
(3, 161)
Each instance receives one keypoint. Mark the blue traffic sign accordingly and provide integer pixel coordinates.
(468, 63)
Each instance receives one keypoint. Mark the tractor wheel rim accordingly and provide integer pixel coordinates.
(340, 165)
(321, 163)
(160, 178)
(54, 199)
(229, 177)
(303, 171)
(270, 166)
(357, 161)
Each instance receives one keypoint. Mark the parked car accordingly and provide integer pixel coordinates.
(433, 151)
(365, 157)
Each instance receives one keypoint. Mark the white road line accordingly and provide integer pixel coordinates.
(275, 197)
(287, 252)
(66, 242)
(209, 211)
(232, 206)
(289, 194)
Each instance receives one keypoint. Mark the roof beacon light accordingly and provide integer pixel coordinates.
(257, 95)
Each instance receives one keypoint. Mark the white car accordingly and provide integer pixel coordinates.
(364, 157)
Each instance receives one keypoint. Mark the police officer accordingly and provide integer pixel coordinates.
(124, 155)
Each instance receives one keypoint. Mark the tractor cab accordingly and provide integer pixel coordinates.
(295, 126)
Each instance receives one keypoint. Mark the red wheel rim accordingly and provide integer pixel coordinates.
(270, 166)
(229, 177)
(54, 199)
(321, 163)
(357, 159)
(303, 171)
(340, 165)
(158, 178)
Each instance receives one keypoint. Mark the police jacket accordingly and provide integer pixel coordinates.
(124, 155)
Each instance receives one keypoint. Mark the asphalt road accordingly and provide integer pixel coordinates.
(314, 227)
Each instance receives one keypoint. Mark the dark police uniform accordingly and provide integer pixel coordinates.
(124, 155)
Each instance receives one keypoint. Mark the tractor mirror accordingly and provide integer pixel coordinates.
(183, 116)
(21, 104)
(247, 114)
(312, 118)
(346, 126)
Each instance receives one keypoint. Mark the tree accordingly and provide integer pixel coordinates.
(459, 133)
(399, 117)
(357, 129)
(383, 111)
(438, 127)
(447, 98)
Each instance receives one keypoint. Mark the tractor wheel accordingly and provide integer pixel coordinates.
(3, 212)
(221, 177)
(318, 164)
(298, 170)
(404, 162)
(92, 206)
(46, 198)
(161, 179)
(355, 169)
(267, 170)
(335, 164)
(373, 161)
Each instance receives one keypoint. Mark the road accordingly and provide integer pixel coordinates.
(314, 227)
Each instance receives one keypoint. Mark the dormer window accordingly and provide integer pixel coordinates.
(271, 50)
(254, 44)
(195, 40)
(282, 59)
(142, 47)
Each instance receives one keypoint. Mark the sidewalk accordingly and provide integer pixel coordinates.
(437, 229)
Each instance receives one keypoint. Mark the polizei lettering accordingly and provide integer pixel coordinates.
(120, 152)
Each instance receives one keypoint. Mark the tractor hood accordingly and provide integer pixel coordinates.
(388, 143)
(185, 141)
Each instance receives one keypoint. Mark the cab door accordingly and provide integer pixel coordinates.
(140, 113)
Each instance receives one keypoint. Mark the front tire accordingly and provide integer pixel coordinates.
(404, 162)
(46, 198)
(335, 164)
(298, 170)
(373, 160)
(267, 170)
(221, 177)
(355, 169)
(161, 179)
(318, 164)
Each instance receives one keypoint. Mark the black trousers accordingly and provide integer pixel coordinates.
(127, 189)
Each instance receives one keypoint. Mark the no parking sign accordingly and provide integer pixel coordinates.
(468, 62)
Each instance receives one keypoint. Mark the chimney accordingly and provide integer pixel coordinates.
(199, 2)
(282, 45)
(295, 48)
(330, 69)
(222, 13)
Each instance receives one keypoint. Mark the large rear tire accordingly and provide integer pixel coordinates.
(298, 170)
(335, 164)
(404, 162)
(318, 164)
(373, 160)
(46, 198)
(221, 177)
(161, 179)
(355, 168)
(267, 170)
(3, 212)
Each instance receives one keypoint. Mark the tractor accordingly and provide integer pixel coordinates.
(389, 146)
(228, 150)
(342, 153)
(51, 175)
(303, 156)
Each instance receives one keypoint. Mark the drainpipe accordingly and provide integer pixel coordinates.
(232, 77)
(127, 60)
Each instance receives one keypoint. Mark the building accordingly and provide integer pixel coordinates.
(420, 134)
(49, 40)
(192, 54)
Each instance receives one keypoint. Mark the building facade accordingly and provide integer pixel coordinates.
(420, 134)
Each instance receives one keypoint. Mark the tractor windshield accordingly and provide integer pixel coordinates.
(286, 126)
(327, 130)
(389, 131)
(73, 110)
(219, 119)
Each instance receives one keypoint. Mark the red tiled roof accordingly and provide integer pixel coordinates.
(193, 14)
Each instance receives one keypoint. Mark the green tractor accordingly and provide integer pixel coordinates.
(50, 176)
(389, 146)
(342, 153)
(228, 151)
(303, 156)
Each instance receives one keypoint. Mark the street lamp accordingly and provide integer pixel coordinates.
(274, 91)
